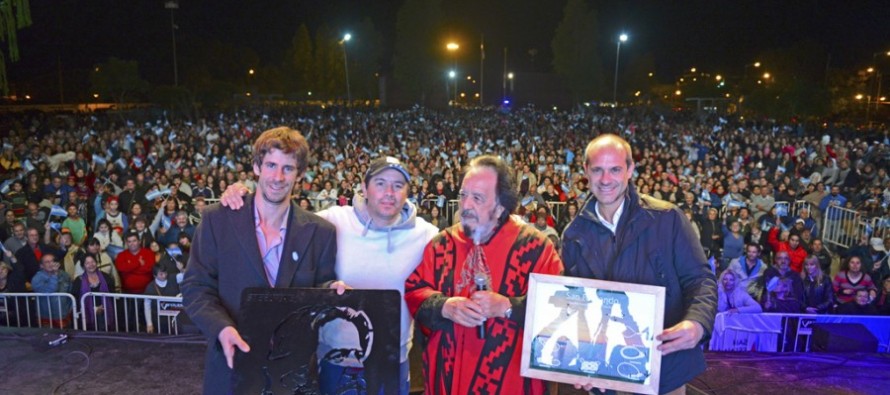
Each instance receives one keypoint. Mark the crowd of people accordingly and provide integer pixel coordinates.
(72, 181)
(103, 204)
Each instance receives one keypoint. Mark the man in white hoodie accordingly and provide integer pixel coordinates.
(380, 241)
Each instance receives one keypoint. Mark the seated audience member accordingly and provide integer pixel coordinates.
(732, 298)
(859, 305)
(821, 251)
(161, 286)
(99, 311)
(749, 269)
(851, 279)
(54, 311)
(818, 293)
(782, 299)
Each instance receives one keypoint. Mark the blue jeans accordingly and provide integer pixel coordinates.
(334, 379)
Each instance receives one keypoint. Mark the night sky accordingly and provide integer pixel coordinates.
(712, 35)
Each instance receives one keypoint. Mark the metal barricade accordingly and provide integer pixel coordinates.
(799, 205)
(112, 312)
(557, 210)
(38, 310)
(845, 227)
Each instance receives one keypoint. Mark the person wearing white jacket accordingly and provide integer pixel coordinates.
(734, 299)
(380, 241)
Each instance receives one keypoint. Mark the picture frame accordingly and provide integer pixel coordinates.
(593, 332)
(297, 334)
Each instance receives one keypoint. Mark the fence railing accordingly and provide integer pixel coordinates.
(846, 228)
(38, 310)
(96, 311)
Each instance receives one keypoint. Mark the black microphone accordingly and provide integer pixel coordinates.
(480, 281)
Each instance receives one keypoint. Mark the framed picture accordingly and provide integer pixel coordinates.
(591, 331)
(313, 341)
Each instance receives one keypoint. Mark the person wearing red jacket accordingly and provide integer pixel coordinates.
(795, 250)
(134, 265)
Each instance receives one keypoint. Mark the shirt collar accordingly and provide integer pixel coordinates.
(282, 228)
(617, 217)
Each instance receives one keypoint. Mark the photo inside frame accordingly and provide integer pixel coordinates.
(313, 341)
(583, 330)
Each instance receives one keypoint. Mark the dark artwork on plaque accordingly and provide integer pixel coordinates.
(312, 341)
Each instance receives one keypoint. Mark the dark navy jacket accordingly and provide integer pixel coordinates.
(654, 245)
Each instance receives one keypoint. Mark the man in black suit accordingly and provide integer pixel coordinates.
(270, 243)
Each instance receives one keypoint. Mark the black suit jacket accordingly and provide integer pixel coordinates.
(225, 259)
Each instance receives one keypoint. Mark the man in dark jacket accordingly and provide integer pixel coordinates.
(622, 236)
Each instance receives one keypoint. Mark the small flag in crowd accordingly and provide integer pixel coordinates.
(174, 251)
(4, 188)
(98, 160)
(58, 211)
(28, 166)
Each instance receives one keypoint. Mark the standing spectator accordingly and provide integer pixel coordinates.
(781, 270)
(733, 244)
(161, 286)
(762, 202)
(447, 303)
(851, 279)
(75, 224)
(749, 269)
(818, 293)
(795, 250)
(821, 252)
(711, 231)
(134, 265)
(29, 258)
(835, 199)
(874, 259)
(107, 236)
(783, 299)
(542, 214)
(54, 311)
(99, 312)
(616, 237)
(180, 226)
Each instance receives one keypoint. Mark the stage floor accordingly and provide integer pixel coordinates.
(94, 363)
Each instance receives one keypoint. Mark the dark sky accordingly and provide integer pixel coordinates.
(714, 35)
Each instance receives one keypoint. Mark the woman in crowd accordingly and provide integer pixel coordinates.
(734, 299)
(99, 311)
(818, 294)
(850, 279)
(436, 218)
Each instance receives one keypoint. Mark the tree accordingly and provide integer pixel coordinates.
(416, 47)
(575, 56)
(365, 55)
(117, 79)
(330, 78)
(300, 62)
(14, 16)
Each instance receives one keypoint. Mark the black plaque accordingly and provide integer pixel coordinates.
(284, 326)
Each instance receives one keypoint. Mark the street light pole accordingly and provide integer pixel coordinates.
(173, 5)
(452, 47)
(622, 38)
(343, 42)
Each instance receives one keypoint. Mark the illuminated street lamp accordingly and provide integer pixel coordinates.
(452, 48)
(343, 42)
(622, 38)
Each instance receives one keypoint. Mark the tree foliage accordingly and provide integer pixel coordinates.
(575, 56)
(416, 47)
(118, 80)
(14, 16)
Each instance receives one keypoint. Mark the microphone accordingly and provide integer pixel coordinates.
(480, 281)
